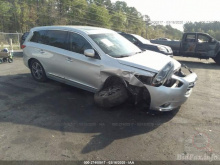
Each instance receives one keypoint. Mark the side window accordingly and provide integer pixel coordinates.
(203, 38)
(56, 38)
(130, 38)
(190, 38)
(39, 36)
(78, 44)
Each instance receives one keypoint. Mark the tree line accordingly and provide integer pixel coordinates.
(21, 15)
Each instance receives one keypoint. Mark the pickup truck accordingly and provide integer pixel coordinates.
(199, 45)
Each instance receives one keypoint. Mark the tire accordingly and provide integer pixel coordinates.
(37, 71)
(10, 60)
(111, 96)
(217, 59)
(4, 59)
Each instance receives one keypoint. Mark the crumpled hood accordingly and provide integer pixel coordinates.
(148, 60)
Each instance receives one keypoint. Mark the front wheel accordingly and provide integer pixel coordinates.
(10, 60)
(111, 96)
(37, 71)
(217, 59)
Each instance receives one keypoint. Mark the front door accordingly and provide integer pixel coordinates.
(82, 71)
(206, 46)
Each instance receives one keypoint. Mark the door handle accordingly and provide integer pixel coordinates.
(69, 59)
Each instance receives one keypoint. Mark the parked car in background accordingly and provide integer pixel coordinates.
(145, 44)
(102, 61)
(23, 37)
(199, 45)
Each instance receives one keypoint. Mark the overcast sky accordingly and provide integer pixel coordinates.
(177, 10)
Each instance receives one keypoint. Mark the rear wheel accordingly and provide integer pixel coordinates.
(111, 96)
(37, 71)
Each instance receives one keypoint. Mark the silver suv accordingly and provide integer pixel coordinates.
(102, 61)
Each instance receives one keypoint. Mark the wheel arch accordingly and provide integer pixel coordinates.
(139, 93)
(31, 59)
(29, 62)
(44, 75)
(114, 80)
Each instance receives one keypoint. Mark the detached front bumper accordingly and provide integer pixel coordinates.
(169, 97)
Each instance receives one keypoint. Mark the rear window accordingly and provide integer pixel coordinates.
(24, 36)
(190, 38)
(57, 38)
(39, 37)
(54, 38)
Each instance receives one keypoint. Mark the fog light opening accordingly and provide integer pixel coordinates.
(165, 105)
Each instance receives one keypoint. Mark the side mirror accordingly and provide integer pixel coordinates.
(89, 53)
(136, 43)
(212, 40)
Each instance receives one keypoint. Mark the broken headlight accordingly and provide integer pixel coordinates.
(162, 76)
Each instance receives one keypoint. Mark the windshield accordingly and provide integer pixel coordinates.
(143, 40)
(115, 45)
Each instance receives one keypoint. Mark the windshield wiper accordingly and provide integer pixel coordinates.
(122, 56)
(129, 55)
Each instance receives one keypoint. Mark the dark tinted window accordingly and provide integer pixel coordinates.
(78, 44)
(130, 38)
(39, 36)
(24, 36)
(191, 38)
(56, 38)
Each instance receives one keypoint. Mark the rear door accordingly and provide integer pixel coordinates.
(57, 49)
(188, 45)
(50, 48)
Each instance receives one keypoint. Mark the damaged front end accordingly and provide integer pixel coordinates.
(175, 90)
(162, 91)
(133, 81)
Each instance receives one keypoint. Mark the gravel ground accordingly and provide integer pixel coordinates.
(53, 121)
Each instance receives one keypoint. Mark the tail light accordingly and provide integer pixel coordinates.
(23, 46)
